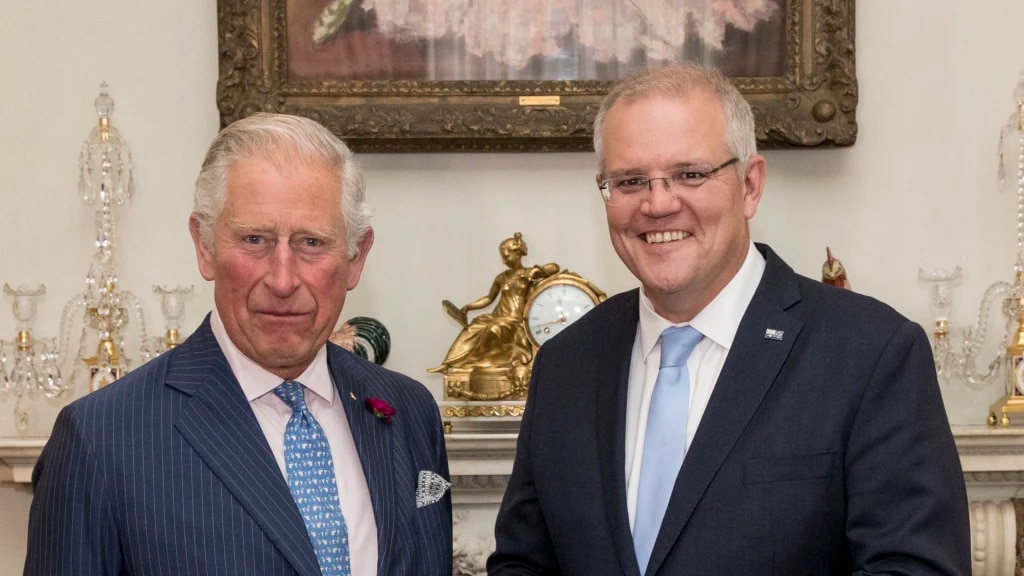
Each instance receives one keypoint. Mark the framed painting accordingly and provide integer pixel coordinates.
(527, 75)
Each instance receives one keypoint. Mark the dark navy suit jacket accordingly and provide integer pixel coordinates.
(167, 472)
(826, 452)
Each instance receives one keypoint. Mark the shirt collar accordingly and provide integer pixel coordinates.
(256, 381)
(720, 319)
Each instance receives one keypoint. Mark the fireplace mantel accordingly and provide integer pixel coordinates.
(480, 463)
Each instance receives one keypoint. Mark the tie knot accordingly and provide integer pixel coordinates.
(676, 344)
(292, 394)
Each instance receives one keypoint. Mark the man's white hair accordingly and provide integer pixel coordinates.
(281, 138)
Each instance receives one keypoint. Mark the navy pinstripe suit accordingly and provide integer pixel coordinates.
(167, 471)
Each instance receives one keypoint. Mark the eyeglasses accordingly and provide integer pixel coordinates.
(633, 189)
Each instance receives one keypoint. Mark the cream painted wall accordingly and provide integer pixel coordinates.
(918, 188)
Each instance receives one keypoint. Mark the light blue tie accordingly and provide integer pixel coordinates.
(311, 479)
(665, 443)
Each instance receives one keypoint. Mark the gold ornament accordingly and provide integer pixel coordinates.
(492, 356)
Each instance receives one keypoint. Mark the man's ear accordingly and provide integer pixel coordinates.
(204, 255)
(355, 265)
(753, 185)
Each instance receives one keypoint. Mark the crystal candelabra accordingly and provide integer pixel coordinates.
(95, 319)
(960, 362)
(106, 181)
(28, 365)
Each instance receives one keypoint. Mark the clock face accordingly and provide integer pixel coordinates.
(1018, 376)
(555, 307)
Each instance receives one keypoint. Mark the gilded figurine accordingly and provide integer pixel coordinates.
(833, 273)
(491, 357)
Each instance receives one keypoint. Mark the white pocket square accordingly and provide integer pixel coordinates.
(430, 488)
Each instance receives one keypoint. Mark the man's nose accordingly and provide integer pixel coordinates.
(661, 199)
(283, 278)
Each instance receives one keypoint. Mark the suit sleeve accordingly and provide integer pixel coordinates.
(906, 497)
(444, 533)
(423, 533)
(522, 543)
(71, 527)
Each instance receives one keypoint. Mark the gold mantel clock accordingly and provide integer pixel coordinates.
(487, 368)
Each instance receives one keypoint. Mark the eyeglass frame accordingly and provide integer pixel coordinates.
(604, 186)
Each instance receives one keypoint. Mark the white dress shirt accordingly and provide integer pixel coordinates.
(322, 400)
(718, 322)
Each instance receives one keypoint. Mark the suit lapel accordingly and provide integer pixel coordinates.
(220, 426)
(611, 373)
(749, 371)
(373, 440)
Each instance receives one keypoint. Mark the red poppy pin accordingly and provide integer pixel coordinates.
(381, 409)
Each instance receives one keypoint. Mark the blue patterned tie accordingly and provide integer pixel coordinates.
(665, 443)
(311, 478)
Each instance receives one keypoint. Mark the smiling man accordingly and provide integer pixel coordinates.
(255, 447)
(729, 416)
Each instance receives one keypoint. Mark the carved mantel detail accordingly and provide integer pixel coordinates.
(17, 458)
(993, 464)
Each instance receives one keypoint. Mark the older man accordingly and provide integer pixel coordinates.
(255, 447)
(729, 417)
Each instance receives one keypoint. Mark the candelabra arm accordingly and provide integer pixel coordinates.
(75, 307)
(135, 308)
(978, 380)
(974, 337)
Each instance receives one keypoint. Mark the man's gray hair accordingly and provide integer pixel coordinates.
(281, 138)
(680, 81)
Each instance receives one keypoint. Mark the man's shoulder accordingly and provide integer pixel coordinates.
(848, 307)
(815, 302)
(135, 404)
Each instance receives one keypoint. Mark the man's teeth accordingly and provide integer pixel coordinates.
(660, 237)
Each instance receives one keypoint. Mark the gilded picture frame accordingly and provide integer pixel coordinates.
(266, 64)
